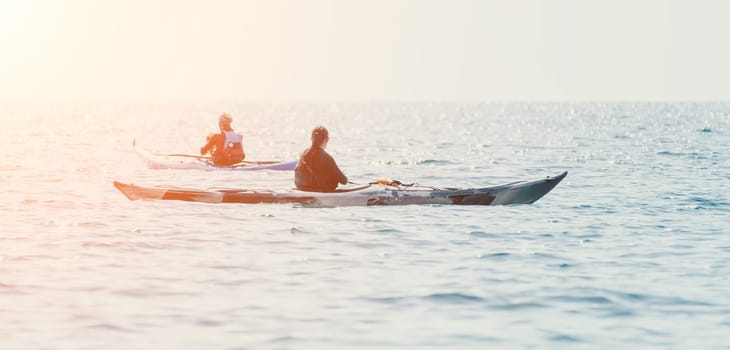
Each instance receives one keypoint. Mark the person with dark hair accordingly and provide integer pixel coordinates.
(317, 170)
(226, 148)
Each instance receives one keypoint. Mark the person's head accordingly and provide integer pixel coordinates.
(224, 121)
(320, 136)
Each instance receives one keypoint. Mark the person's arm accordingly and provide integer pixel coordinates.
(208, 146)
(333, 169)
(341, 176)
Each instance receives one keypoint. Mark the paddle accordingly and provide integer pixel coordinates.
(183, 155)
(251, 162)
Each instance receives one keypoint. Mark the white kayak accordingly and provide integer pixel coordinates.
(521, 192)
(188, 161)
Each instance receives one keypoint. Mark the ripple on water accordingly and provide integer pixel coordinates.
(439, 298)
(8, 289)
(110, 327)
(435, 162)
(518, 306)
(131, 246)
(494, 255)
(575, 299)
(453, 298)
(482, 234)
(564, 338)
(707, 203)
(660, 300)
(92, 224)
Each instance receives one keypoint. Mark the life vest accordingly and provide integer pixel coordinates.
(232, 138)
(232, 151)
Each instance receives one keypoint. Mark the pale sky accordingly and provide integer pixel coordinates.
(370, 50)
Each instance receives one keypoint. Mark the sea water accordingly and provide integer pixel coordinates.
(631, 250)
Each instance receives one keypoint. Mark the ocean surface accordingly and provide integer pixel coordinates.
(631, 250)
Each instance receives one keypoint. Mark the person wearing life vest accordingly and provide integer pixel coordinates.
(226, 148)
(317, 170)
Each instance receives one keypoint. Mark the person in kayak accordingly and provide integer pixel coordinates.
(317, 170)
(226, 148)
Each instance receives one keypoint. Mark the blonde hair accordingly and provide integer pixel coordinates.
(225, 119)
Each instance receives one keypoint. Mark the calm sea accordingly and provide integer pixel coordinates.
(631, 250)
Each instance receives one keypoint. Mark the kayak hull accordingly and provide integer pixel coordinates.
(184, 161)
(523, 192)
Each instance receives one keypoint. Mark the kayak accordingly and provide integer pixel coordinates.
(394, 193)
(188, 161)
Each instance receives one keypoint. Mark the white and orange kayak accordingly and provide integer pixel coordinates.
(188, 161)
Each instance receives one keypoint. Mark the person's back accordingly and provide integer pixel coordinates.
(317, 170)
(231, 151)
(226, 148)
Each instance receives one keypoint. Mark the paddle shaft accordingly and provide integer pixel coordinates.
(264, 162)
